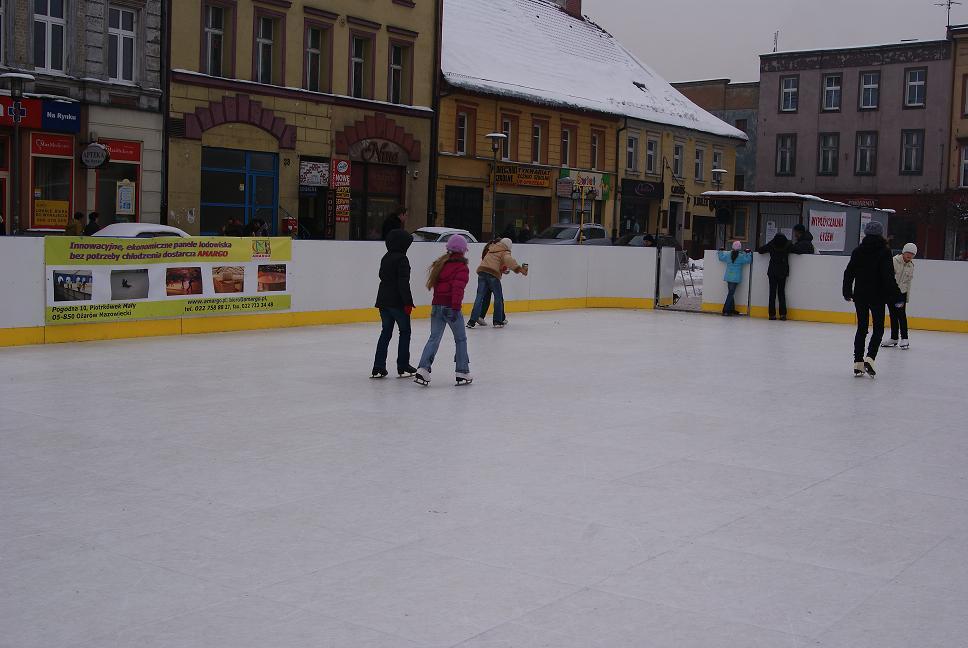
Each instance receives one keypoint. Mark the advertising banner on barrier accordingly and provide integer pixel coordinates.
(92, 279)
(829, 230)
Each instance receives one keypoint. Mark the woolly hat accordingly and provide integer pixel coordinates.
(799, 228)
(507, 243)
(910, 247)
(873, 228)
(737, 245)
(457, 243)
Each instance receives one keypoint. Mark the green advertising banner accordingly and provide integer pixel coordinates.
(95, 280)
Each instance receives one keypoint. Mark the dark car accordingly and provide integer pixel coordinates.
(638, 240)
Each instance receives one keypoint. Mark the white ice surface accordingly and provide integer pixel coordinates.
(533, 50)
(611, 479)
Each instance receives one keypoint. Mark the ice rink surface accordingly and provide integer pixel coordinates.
(612, 479)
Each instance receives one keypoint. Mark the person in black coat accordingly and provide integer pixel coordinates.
(869, 282)
(396, 220)
(779, 250)
(395, 302)
(802, 240)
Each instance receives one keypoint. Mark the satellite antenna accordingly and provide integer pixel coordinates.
(947, 4)
(776, 39)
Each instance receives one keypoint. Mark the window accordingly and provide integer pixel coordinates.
(461, 133)
(829, 153)
(632, 154)
(739, 223)
(866, 154)
(124, 168)
(567, 143)
(318, 60)
(265, 49)
(121, 41)
(831, 92)
(743, 125)
(49, 35)
(361, 61)
(700, 166)
(51, 180)
(678, 152)
(789, 93)
(399, 73)
(537, 142)
(651, 156)
(507, 145)
(214, 39)
(717, 160)
(2, 40)
(786, 154)
(912, 152)
(914, 87)
(870, 90)
(596, 145)
(964, 166)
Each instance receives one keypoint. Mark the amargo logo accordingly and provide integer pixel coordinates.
(261, 249)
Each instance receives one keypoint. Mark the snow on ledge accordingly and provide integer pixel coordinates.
(788, 195)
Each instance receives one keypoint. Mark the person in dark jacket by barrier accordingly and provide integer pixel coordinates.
(779, 250)
(869, 282)
(395, 302)
(802, 240)
(396, 220)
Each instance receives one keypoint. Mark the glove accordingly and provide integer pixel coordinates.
(899, 305)
(408, 309)
(450, 315)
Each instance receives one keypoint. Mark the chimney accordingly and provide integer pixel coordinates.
(571, 7)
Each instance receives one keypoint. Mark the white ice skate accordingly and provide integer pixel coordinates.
(464, 379)
(858, 369)
(889, 344)
(869, 366)
(423, 377)
(905, 345)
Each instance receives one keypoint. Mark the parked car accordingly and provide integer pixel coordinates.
(440, 235)
(140, 230)
(637, 240)
(567, 234)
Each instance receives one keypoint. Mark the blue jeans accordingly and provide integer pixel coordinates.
(730, 304)
(486, 285)
(389, 317)
(438, 323)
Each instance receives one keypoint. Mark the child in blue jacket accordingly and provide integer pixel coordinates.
(734, 261)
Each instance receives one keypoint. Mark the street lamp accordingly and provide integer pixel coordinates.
(16, 112)
(496, 140)
(718, 178)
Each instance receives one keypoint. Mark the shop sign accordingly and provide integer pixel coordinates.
(50, 214)
(30, 110)
(95, 156)
(313, 174)
(639, 189)
(61, 116)
(829, 230)
(588, 181)
(341, 178)
(523, 176)
(53, 145)
(125, 197)
(123, 151)
(677, 190)
(863, 202)
(564, 187)
(378, 151)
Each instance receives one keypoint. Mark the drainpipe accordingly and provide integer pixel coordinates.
(618, 165)
(165, 98)
(435, 119)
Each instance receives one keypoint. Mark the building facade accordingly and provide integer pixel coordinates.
(953, 211)
(736, 104)
(867, 126)
(314, 117)
(97, 68)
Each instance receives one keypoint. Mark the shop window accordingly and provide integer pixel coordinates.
(121, 43)
(268, 57)
(118, 195)
(238, 186)
(912, 152)
(678, 153)
(870, 90)
(915, 84)
(829, 154)
(509, 144)
(50, 31)
(318, 61)
(217, 45)
(361, 66)
(51, 179)
(400, 76)
(4, 153)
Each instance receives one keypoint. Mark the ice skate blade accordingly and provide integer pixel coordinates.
(461, 382)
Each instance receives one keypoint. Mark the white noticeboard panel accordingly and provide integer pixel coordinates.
(124, 204)
(865, 218)
(829, 230)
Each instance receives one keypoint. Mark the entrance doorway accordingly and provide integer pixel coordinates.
(377, 191)
(238, 185)
(464, 209)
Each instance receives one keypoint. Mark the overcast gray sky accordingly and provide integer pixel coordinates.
(687, 40)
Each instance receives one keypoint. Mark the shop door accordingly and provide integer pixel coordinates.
(377, 191)
(464, 209)
(238, 185)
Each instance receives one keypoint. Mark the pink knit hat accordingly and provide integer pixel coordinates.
(457, 243)
(737, 245)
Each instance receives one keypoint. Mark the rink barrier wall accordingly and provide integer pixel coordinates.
(939, 294)
(335, 282)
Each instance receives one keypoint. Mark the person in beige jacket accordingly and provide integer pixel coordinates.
(903, 275)
(495, 262)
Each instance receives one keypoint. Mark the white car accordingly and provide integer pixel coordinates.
(440, 235)
(140, 230)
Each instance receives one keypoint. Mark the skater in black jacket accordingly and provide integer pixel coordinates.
(779, 250)
(395, 302)
(869, 282)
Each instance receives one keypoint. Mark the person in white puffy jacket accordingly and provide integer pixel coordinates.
(904, 275)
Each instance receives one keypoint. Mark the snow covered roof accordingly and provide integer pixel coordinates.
(532, 50)
(782, 195)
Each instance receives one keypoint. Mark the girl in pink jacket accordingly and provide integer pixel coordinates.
(447, 278)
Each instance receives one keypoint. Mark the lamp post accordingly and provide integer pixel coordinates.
(720, 227)
(718, 178)
(497, 139)
(16, 112)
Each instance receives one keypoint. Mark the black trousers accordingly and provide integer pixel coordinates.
(899, 319)
(777, 290)
(868, 311)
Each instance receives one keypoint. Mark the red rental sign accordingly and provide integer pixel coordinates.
(123, 150)
(54, 145)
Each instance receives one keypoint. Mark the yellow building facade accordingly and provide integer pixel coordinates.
(315, 117)
(547, 153)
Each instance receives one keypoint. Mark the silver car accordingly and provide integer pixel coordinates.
(567, 234)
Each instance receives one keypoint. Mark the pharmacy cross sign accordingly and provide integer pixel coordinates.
(16, 112)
